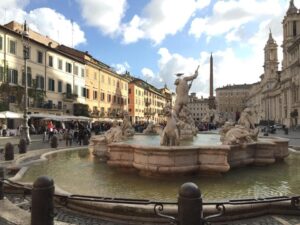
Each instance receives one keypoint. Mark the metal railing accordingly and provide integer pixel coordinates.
(190, 204)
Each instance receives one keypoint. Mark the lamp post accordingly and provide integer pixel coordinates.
(25, 39)
(148, 114)
(266, 133)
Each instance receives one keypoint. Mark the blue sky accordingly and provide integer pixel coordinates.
(155, 39)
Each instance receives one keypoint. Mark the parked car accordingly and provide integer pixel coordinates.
(278, 126)
(270, 129)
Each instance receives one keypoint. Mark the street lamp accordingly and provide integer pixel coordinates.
(266, 133)
(26, 49)
(148, 114)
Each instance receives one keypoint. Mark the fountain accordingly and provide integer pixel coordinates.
(178, 152)
(240, 144)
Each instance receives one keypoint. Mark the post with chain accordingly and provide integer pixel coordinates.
(190, 210)
(42, 208)
(2, 177)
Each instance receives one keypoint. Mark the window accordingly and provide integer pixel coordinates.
(29, 77)
(60, 64)
(294, 28)
(83, 92)
(1, 73)
(129, 91)
(50, 61)
(95, 95)
(69, 89)
(95, 76)
(1, 42)
(59, 105)
(87, 93)
(51, 84)
(76, 89)
(39, 57)
(12, 47)
(108, 98)
(82, 72)
(40, 82)
(76, 70)
(68, 67)
(59, 86)
(102, 96)
(28, 52)
(12, 76)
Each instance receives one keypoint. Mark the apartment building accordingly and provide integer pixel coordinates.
(136, 103)
(50, 71)
(231, 100)
(199, 107)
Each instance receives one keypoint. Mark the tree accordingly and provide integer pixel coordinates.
(36, 94)
(12, 94)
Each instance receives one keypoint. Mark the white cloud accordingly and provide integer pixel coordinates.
(159, 19)
(148, 73)
(132, 31)
(45, 21)
(10, 4)
(56, 26)
(202, 3)
(104, 14)
(228, 69)
(167, 17)
(121, 68)
(229, 16)
(173, 63)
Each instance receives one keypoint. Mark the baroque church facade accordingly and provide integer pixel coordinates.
(277, 96)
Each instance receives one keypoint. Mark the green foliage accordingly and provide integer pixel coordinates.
(8, 90)
(36, 94)
(4, 106)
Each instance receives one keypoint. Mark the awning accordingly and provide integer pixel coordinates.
(10, 115)
(58, 117)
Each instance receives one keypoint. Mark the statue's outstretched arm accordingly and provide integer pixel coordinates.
(189, 78)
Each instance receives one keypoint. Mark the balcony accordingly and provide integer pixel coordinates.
(69, 97)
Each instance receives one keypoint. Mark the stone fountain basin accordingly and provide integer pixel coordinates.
(203, 159)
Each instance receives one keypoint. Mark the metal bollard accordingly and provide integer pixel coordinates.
(2, 177)
(190, 211)
(42, 207)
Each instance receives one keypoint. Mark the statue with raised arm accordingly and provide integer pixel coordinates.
(182, 90)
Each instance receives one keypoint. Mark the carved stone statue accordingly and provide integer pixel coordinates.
(150, 129)
(244, 132)
(127, 129)
(182, 117)
(100, 142)
(182, 90)
(170, 134)
(114, 134)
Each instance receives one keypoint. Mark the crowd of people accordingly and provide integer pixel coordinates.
(73, 131)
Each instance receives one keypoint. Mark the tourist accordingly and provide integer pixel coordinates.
(50, 128)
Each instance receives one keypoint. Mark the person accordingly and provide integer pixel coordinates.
(68, 137)
(182, 90)
(4, 130)
(50, 128)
